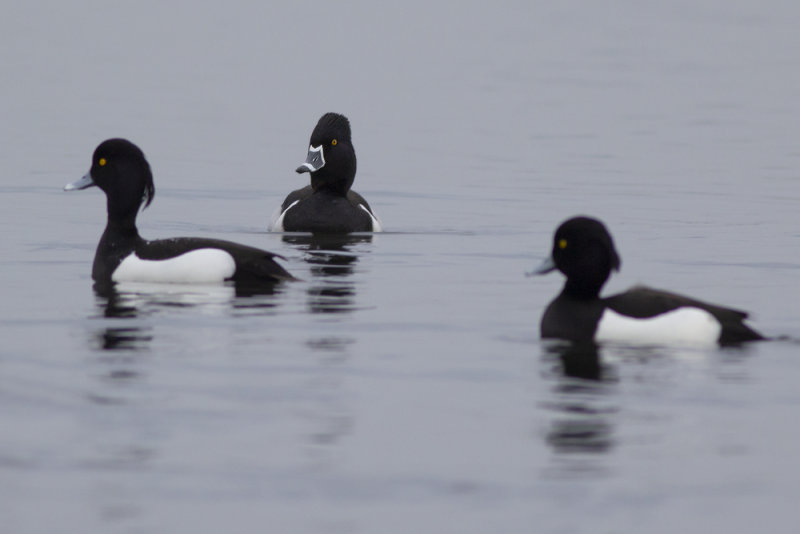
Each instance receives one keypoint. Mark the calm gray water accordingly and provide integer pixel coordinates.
(401, 386)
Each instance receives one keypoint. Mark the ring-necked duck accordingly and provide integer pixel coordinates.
(584, 251)
(328, 205)
(120, 169)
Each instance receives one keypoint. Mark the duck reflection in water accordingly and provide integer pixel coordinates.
(128, 303)
(119, 343)
(332, 263)
(116, 305)
(583, 424)
(578, 359)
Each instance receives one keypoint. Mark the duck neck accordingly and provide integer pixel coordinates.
(337, 176)
(582, 290)
(125, 226)
(339, 188)
(119, 239)
(122, 213)
(121, 231)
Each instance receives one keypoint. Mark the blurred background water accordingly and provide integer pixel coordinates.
(402, 384)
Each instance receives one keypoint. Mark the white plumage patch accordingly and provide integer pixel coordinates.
(684, 326)
(376, 223)
(276, 221)
(199, 266)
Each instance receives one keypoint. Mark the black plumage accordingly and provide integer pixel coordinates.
(328, 204)
(584, 252)
(121, 171)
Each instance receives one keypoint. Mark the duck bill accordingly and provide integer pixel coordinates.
(315, 160)
(547, 266)
(83, 183)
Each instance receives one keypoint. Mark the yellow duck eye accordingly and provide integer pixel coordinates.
(562, 244)
(334, 142)
(102, 162)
